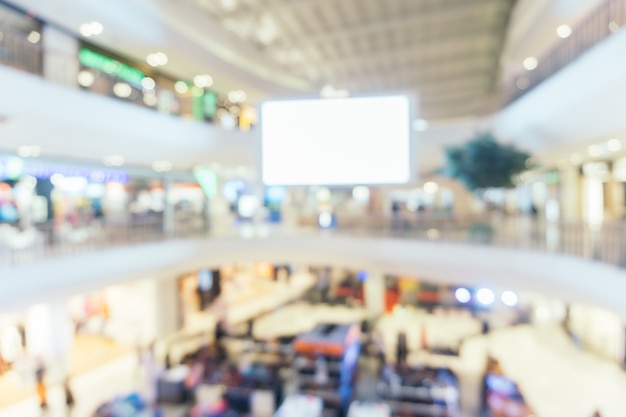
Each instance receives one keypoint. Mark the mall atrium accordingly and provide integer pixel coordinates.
(307, 208)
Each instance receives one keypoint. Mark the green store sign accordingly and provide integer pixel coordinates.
(103, 63)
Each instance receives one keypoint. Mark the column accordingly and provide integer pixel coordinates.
(374, 292)
(50, 336)
(60, 56)
(206, 213)
(570, 193)
(167, 307)
(168, 208)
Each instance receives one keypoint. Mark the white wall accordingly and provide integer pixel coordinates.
(569, 278)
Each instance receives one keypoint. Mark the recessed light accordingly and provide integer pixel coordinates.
(161, 166)
(522, 83)
(531, 63)
(157, 59)
(122, 90)
(594, 150)
(28, 151)
(564, 31)
(181, 87)
(203, 80)
(614, 145)
(90, 29)
(34, 37)
(113, 160)
(237, 96)
(86, 78)
(148, 83)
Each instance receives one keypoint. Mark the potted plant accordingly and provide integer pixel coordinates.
(484, 163)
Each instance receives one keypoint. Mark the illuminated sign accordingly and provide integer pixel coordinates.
(14, 168)
(103, 63)
(207, 180)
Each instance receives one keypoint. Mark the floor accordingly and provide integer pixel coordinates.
(557, 379)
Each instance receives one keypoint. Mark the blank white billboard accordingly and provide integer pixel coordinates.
(346, 141)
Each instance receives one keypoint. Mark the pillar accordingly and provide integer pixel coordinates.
(571, 194)
(374, 291)
(167, 307)
(50, 335)
(60, 56)
(168, 208)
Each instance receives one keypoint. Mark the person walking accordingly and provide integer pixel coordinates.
(40, 374)
(69, 398)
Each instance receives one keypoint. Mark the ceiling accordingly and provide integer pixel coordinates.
(447, 52)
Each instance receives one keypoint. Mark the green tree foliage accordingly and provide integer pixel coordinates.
(484, 163)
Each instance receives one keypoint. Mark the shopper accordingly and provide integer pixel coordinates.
(41, 392)
(69, 398)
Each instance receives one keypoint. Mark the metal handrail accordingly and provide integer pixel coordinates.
(17, 52)
(604, 21)
(604, 243)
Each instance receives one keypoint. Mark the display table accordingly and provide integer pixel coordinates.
(369, 409)
(171, 385)
(300, 406)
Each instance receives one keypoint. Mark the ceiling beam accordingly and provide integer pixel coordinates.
(484, 47)
(409, 75)
(429, 16)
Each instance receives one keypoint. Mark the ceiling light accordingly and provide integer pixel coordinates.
(96, 28)
(85, 30)
(576, 158)
(89, 29)
(421, 125)
(181, 87)
(485, 296)
(361, 194)
(122, 90)
(522, 83)
(34, 36)
(28, 151)
(431, 187)
(564, 31)
(86, 78)
(531, 63)
(509, 298)
(150, 100)
(156, 59)
(161, 166)
(614, 27)
(161, 58)
(237, 96)
(614, 145)
(229, 5)
(462, 295)
(113, 160)
(148, 83)
(594, 150)
(203, 80)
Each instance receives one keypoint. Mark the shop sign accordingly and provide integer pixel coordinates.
(14, 168)
(110, 66)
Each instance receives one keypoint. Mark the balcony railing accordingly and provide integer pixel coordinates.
(603, 243)
(607, 19)
(18, 52)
